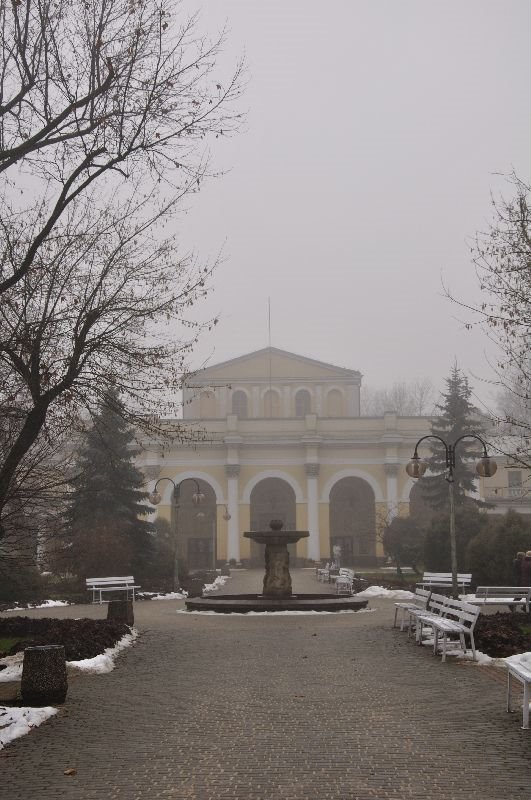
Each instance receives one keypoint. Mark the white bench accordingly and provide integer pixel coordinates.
(502, 596)
(523, 675)
(458, 619)
(419, 603)
(121, 584)
(344, 581)
(420, 618)
(443, 580)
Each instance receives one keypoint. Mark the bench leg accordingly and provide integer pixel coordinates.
(473, 646)
(509, 691)
(525, 725)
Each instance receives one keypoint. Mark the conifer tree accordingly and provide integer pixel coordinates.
(109, 533)
(456, 417)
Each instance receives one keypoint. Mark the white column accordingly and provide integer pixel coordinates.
(232, 472)
(312, 478)
(391, 471)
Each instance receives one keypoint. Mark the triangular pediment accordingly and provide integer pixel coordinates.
(272, 364)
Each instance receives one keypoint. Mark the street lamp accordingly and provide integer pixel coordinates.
(197, 499)
(485, 467)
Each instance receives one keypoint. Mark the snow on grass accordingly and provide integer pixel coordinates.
(46, 604)
(13, 670)
(99, 665)
(218, 583)
(379, 591)
(104, 662)
(15, 722)
(163, 596)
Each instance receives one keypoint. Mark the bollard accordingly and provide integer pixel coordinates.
(44, 675)
(121, 611)
(194, 587)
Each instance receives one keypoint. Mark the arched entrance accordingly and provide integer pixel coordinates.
(196, 526)
(271, 498)
(353, 522)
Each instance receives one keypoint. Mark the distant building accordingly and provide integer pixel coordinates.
(281, 437)
(510, 487)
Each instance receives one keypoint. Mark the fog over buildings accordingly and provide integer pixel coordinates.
(376, 131)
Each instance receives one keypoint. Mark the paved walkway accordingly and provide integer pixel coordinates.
(328, 707)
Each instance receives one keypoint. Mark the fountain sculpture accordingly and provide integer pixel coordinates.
(277, 589)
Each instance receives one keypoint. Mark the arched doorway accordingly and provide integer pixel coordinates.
(353, 522)
(195, 526)
(271, 498)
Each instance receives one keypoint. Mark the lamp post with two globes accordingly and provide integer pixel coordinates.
(485, 467)
(197, 499)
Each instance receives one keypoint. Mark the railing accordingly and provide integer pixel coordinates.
(509, 493)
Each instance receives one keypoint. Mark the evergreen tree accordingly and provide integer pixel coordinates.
(456, 417)
(108, 530)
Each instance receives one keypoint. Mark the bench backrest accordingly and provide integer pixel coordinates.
(446, 577)
(347, 573)
(504, 591)
(437, 604)
(462, 612)
(422, 596)
(121, 581)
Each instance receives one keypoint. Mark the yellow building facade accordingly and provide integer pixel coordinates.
(277, 435)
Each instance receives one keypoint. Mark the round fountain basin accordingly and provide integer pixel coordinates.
(276, 537)
(243, 603)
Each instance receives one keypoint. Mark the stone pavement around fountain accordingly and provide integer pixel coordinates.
(339, 707)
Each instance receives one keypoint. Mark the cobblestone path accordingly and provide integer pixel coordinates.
(321, 707)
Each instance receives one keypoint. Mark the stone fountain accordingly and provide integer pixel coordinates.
(277, 592)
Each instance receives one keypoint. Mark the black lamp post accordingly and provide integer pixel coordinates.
(485, 467)
(197, 499)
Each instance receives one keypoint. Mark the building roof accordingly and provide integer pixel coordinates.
(271, 363)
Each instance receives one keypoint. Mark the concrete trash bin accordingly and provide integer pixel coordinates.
(44, 679)
(121, 611)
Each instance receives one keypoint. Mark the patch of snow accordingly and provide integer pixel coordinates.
(13, 671)
(104, 662)
(46, 604)
(218, 583)
(15, 722)
(379, 591)
(166, 595)
(51, 603)
(100, 664)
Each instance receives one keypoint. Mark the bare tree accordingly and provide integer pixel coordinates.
(101, 305)
(406, 399)
(502, 257)
(105, 108)
(101, 88)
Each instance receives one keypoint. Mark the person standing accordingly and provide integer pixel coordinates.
(517, 569)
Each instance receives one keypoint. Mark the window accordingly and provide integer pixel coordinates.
(514, 477)
(240, 404)
(303, 403)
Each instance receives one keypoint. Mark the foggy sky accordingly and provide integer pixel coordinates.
(375, 132)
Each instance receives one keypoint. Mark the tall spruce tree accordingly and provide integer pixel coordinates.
(108, 531)
(456, 417)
